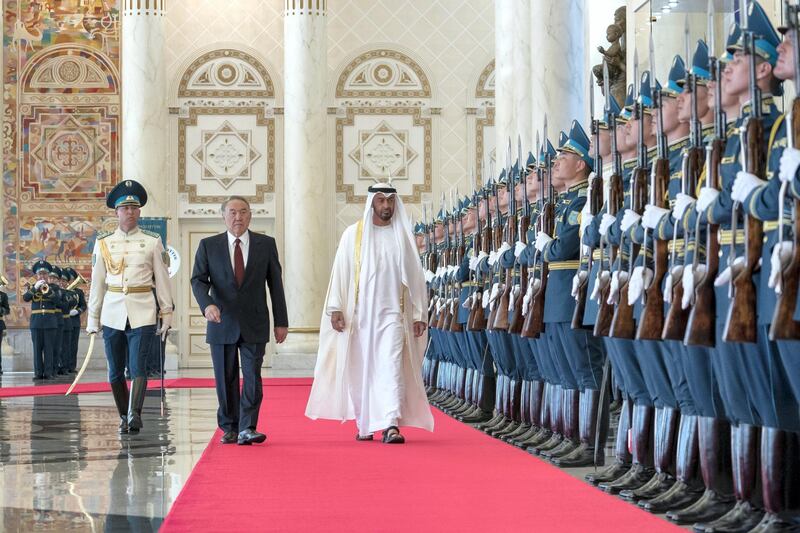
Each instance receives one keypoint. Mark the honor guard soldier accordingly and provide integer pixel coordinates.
(126, 265)
(57, 284)
(4, 310)
(45, 317)
(78, 307)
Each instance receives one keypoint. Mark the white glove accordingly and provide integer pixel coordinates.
(473, 263)
(503, 249)
(673, 276)
(38, 284)
(542, 239)
(537, 285)
(492, 258)
(744, 184)
(729, 274)
(519, 247)
(512, 298)
(781, 255)
(577, 280)
(682, 203)
(92, 325)
(586, 219)
(495, 292)
(602, 280)
(526, 300)
(629, 219)
(708, 195)
(690, 279)
(73, 312)
(428, 275)
(618, 278)
(606, 222)
(653, 215)
(467, 303)
(790, 161)
(640, 280)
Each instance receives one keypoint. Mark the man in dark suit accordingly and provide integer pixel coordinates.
(4, 310)
(230, 273)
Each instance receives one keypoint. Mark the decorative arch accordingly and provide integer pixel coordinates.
(70, 68)
(226, 72)
(485, 85)
(383, 73)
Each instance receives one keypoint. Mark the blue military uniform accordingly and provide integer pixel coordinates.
(78, 307)
(45, 319)
(4, 310)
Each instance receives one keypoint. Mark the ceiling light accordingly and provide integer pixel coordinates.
(673, 3)
(666, 9)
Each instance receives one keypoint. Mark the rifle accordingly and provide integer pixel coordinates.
(522, 232)
(455, 325)
(623, 325)
(651, 321)
(783, 324)
(447, 312)
(691, 165)
(477, 315)
(740, 324)
(497, 242)
(616, 196)
(534, 321)
(501, 315)
(701, 327)
(595, 204)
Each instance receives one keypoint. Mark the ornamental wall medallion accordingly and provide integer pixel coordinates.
(381, 152)
(226, 154)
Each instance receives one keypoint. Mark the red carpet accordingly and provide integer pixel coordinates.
(177, 383)
(314, 476)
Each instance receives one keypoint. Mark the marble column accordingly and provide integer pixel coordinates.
(144, 101)
(506, 20)
(306, 187)
(560, 73)
(521, 59)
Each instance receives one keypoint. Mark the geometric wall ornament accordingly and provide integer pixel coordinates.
(226, 154)
(374, 142)
(224, 151)
(382, 152)
(70, 68)
(226, 73)
(484, 144)
(383, 73)
(485, 85)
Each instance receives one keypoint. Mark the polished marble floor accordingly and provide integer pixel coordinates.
(64, 468)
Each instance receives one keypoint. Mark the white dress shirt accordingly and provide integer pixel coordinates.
(244, 244)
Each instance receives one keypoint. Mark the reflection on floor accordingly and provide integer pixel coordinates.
(63, 467)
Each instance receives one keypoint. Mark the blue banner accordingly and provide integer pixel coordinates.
(156, 225)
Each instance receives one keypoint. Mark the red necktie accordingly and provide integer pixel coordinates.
(238, 263)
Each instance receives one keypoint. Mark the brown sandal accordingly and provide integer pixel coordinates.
(391, 435)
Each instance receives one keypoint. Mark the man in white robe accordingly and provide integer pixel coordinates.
(373, 330)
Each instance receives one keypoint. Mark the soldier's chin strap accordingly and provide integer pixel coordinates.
(85, 364)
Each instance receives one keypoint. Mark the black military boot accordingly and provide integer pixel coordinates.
(622, 456)
(583, 454)
(664, 446)
(779, 462)
(484, 392)
(138, 388)
(502, 407)
(556, 423)
(541, 413)
(686, 489)
(523, 413)
(120, 393)
(515, 399)
(641, 443)
(745, 515)
(497, 394)
(571, 408)
(714, 435)
(505, 407)
(534, 410)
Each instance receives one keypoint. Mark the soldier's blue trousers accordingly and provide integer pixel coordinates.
(44, 341)
(789, 352)
(76, 336)
(479, 346)
(57, 347)
(675, 359)
(530, 370)
(624, 353)
(729, 365)
(651, 359)
(558, 353)
(66, 347)
(770, 388)
(541, 353)
(584, 353)
(702, 383)
(133, 342)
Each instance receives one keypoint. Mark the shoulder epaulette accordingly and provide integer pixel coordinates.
(103, 234)
(151, 233)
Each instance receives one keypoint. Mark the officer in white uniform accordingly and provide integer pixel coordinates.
(126, 266)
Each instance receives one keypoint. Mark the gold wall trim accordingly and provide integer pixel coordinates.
(191, 120)
(350, 195)
(185, 92)
(481, 91)
(425, 92)
(480, 125)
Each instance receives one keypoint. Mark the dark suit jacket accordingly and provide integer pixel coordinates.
(4, 310)
(243, 309)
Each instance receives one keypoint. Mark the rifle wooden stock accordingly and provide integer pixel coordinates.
(515, 326)
(595, 205)
(605, 314)
(501, 317)
(741, 322)
(651, 321)
(623, 326)
(783, 326)
(498, 242)
(534, 321)
(580, 303)
(477, 316)
(701, 327)
(677, 317)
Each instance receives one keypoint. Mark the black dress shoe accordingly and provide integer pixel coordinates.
(229, 437)
(249, 436)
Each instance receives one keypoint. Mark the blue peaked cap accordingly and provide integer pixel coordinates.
(578, 143)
